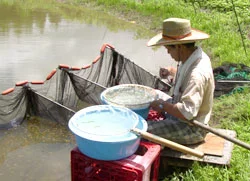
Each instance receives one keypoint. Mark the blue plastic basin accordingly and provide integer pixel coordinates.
(143, 112)
(105, 139)
(138, 97)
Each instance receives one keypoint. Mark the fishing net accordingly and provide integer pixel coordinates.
(231, 78)
(69, 89)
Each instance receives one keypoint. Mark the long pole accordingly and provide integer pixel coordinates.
(216, 132)
(168, 143)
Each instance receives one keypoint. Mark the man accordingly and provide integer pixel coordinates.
(192, 96)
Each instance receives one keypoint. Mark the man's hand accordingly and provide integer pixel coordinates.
(166, 72)
(162, 106)
(158, 105)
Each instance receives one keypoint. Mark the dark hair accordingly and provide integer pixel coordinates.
(171, 46)
(189, 45)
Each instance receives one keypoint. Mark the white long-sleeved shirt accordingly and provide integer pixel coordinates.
(194, 88)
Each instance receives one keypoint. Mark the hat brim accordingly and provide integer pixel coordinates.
(194, 36)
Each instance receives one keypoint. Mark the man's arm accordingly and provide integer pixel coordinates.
(164, 106)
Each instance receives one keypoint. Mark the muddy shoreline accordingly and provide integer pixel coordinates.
(125, 15)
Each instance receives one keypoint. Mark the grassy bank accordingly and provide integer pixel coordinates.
(229, 42)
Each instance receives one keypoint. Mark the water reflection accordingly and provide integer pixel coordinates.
(12, 16)
(32, 43)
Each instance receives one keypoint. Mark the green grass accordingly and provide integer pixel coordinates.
(228, 43)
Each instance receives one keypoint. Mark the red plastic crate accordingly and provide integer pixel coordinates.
(141, 166)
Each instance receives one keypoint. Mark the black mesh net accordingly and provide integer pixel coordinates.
(69, 89)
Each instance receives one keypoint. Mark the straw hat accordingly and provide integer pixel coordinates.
(177, 31)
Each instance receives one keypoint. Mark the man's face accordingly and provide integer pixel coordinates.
(173, 51)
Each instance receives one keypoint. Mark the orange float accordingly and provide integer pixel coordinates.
(86, 66)
(106, 45)
(75, 68)
(51, 74)
(37, 82)
(96, 59)
(64, 66)
(8, 91)
(21, 83)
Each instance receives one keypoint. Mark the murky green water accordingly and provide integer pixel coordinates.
(37, 150)
(32, 43)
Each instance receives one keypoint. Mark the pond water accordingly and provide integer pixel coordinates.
(32, 43)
